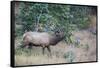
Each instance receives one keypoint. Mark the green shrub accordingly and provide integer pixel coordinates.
(69, 56)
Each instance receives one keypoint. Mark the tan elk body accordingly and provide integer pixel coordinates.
(43, 39)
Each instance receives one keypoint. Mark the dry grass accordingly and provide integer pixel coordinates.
(61, 53)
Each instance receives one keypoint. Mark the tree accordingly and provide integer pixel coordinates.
(49, 17)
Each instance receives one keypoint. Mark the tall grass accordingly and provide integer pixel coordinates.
(61, 53)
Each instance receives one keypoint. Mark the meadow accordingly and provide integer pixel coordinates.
(61, 53)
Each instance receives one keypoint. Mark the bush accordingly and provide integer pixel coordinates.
(69, 56)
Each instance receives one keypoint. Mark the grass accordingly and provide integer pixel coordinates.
(24, 57)
(61, 53)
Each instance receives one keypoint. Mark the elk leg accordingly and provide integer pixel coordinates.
(43, 48)
(48, 47)
(25, 45)
(30, 46)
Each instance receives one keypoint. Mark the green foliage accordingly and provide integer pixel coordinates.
(69, 56)
(23, 51)
(18, 32)
(80, 16)
(50, 17)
